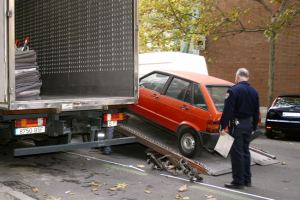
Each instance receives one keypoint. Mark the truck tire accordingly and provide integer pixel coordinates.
(189, 143)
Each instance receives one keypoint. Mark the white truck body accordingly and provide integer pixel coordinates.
(175, 61)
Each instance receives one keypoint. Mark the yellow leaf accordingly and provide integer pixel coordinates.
(35, 189)
(183, 188)
(147, 191)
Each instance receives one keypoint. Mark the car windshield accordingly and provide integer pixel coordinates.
(218, 95)
(287, 101)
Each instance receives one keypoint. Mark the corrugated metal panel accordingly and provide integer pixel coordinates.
(85, 48)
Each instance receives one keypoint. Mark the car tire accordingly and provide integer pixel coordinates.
(189, 143)
(270, 134)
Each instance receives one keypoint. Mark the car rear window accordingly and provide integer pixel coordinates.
(287, 101)
(218, 95)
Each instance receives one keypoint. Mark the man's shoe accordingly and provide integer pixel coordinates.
(248, 184)
(234, 186)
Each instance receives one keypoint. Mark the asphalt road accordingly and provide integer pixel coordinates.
(87, 174)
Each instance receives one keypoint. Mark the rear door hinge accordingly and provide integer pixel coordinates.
(9, 13)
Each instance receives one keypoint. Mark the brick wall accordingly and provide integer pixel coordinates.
(251, 50)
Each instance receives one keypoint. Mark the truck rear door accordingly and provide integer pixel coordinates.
(3, 63)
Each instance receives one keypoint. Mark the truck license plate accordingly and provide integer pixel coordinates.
(31, 130)
(112, 123)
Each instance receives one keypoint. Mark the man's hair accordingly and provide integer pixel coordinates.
(242, 72)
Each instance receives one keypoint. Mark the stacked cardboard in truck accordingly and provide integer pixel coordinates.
(28, 82)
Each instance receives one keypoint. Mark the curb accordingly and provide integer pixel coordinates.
(7, 193)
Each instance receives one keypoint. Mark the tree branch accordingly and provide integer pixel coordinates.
(282, 5)
(265, 5)
(240, 31)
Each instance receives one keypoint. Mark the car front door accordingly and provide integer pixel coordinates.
(151, 87)
(183, 102)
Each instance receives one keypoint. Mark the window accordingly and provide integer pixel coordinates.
(218, 95)
(180, 89)
(154, 82)
(198, 98)
(288, 101)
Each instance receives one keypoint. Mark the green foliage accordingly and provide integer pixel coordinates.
(281, 20)
(165, 24)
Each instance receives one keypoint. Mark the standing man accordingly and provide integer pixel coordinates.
(239, 119)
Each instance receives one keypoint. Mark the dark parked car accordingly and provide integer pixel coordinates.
(283, 117)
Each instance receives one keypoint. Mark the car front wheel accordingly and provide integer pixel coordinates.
(189, 143)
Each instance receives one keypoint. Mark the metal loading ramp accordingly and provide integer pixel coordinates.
(165, 143)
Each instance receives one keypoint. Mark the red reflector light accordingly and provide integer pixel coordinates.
(34, 122)
(113, 117)
(212, 126)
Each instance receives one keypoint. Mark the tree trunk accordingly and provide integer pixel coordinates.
(271, 68)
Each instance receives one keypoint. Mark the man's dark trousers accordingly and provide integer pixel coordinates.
(240, 154)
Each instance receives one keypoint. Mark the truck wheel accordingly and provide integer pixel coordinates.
(189, 143)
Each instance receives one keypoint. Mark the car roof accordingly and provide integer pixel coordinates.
(198, 78)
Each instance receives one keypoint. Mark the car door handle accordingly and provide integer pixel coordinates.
(155, 96)
(184, 107)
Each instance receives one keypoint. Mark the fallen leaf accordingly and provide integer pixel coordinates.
(183, 188)
(35, 189)
(178, 196)
(210, 197)
(141, 166)
(147, 191)
(94, 189)
(67, 192)
(171, 167)
(113, 189)
(119, 186)
(94, 184)
(186, 198)
(53, 198)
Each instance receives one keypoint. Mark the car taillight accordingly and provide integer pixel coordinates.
(212, 126)
(114, 117)
(25, 123)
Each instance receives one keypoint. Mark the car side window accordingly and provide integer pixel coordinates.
(199, 98)
(180, 89)
(154, 82)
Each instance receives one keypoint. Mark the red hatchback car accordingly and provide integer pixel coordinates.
(188, 104)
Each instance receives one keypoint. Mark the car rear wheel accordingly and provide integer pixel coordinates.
(189, 143)
(270, 134)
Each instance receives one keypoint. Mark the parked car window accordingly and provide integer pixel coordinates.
(287, 101)
(154, 82)
(199, 98)
(180, 89)
(218, 95)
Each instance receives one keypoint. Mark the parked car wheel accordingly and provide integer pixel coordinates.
(189, 143)
(270, 134)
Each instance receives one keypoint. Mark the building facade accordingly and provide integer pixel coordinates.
(251, 50)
